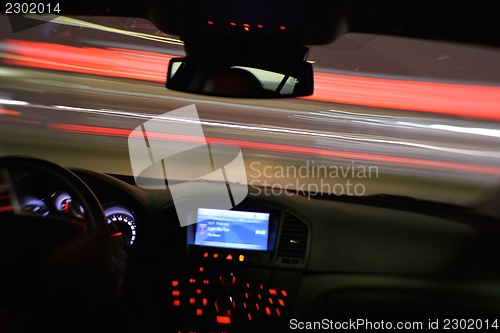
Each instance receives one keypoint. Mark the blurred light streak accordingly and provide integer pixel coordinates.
(106, 131)
(468, 130)
(113, 62)
(12, 102)
(9, 112)
(283, 131)
(22, 121)
(334, 116)
(84, 24)
(451, 99)
(6, 209)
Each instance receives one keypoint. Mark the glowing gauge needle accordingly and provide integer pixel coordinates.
(66, 206)
(62, 201)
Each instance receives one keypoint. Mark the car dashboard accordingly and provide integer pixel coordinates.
(311, 260)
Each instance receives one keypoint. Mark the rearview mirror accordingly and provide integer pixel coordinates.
(241, 79)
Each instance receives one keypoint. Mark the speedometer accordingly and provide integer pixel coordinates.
(123, 218)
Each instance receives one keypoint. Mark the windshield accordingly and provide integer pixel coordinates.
(389, 115)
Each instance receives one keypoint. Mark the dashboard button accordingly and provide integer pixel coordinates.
(223, 320)
(227, 279)
(225, 305)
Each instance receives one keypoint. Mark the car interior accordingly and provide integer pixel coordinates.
(225, 254)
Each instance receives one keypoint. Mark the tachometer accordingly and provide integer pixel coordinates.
(123, 219)
(34, 205)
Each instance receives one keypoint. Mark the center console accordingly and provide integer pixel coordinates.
(236, 273)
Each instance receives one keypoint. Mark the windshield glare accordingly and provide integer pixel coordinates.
(389, 115)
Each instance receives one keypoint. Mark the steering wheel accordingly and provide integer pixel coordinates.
(78, 190)
(27, 238)
(29, 242)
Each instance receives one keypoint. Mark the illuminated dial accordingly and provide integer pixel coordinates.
(123, 219)
(63, 203)
(34, 205)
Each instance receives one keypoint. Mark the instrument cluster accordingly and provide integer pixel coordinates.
(61, 203)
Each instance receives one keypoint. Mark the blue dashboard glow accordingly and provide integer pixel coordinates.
(232, 229)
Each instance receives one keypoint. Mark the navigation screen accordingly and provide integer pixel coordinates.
(232, 229)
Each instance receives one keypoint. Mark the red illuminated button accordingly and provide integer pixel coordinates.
(204, 301)
(273, 291)
(205, 282)
(191, 301)
(270, 301)
(199, 312)
(200, 269)
(205, 255)
(249, 317)
(281, 302)
(210, 22)
(229, 257)
(216, 255)
(284, 293)
(223, 320)
(176, 293)
(278, 313)
(192, 281)
(198, 291)
(177, 302)
(268, 311)
(282, 27)
(175, 283)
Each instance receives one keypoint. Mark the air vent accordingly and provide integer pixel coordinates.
(171, 236)
(293, 239)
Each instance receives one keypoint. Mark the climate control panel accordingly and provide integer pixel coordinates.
(215, 298)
